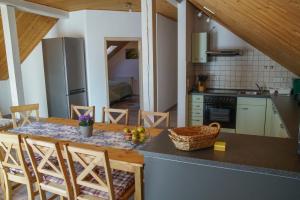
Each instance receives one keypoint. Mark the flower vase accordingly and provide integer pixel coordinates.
(86, 131)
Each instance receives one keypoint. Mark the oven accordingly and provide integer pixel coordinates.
(221, 109)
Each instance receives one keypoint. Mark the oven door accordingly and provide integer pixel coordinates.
(225, 115)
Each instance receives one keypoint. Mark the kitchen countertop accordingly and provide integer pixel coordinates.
(265, 95)
(276, 156)
(259, 154)
(289, 112)
(287, 107)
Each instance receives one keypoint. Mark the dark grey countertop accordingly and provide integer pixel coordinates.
(257, 154)
(276, 156)
(289, 112)
(266, 95)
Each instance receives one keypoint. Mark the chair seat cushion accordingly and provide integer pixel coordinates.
(122, 181)
(5, 122)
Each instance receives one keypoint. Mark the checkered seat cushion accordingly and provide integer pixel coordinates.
(122, 181)
(30, 168)
(5, 122)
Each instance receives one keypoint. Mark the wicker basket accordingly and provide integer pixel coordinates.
(193, 138)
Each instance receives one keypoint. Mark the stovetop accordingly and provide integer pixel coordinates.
(222, 91)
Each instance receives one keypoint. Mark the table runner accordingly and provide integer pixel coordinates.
(64, 132)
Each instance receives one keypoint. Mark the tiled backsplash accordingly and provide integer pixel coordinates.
(242, 72)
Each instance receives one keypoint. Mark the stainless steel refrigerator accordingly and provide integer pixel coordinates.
(65, 74)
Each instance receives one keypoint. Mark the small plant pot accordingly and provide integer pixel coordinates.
(86, 131)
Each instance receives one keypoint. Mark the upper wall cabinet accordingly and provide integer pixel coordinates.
(199, 47)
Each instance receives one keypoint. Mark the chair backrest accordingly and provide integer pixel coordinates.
(89, 162)
(25, 112)
(153, 119)
(77, 111)
(47, 161)
(11, 155)
(115, 115)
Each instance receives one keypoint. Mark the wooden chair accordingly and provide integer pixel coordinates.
(14, 167)
(109, 112)
(49, 169)
(5, 124)
(25, 112)
(92, 176)
(153, 119)
(88, 110)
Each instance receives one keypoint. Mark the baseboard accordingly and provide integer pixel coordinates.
(171, 108)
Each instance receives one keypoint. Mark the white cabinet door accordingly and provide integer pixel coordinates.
(278, 128)
(250, 119)
(199, 47)
(269, 118)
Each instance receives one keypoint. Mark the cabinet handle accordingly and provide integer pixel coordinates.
(245, 108)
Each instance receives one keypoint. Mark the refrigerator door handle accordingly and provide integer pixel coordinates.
(77, 91)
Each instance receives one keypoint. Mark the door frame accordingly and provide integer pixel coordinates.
(129, 39)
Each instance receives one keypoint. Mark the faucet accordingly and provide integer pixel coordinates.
(260, 89)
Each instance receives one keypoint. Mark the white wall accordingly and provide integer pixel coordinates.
(166, 63)
(119, 66)
(94, 26)
(98, 26)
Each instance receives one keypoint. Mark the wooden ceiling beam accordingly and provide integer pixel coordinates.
(36, 8)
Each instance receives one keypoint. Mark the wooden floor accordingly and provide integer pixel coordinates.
(132, 103)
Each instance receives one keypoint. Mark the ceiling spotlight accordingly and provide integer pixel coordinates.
(208, 20)
(129, 6)
(200, 14)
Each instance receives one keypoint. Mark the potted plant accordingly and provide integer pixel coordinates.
(86, 125)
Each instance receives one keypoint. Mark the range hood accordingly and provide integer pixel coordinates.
(224, 52)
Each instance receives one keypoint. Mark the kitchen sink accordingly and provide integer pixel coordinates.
(251, 92)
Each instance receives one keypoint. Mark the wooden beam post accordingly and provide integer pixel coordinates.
(182, 64)
(148, 12)
(12, 54)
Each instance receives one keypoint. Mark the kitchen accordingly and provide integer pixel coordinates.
(231, 82)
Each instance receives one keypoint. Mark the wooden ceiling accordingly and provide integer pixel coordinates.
(163, 7)
(31, 29)
(271, 26)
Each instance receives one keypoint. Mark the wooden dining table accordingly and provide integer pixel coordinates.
(129, 160)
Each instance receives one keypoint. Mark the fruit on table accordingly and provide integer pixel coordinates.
(126, 130)
(141, 129)
(135, 135)
(142, 138)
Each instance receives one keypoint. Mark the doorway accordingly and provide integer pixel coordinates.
(124, 75)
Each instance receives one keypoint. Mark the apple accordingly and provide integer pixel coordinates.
(134, 138)
(134, 132)
(142, 138)
(141, 129)
(126, 130)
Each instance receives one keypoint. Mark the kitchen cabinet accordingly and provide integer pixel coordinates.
(274, 126)
(251, 114)
(199, 47)
(195, 116)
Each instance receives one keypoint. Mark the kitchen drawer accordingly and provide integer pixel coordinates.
(196, 113)
(196, 98)
(251, 101)
(196, 122)
(197, 107)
